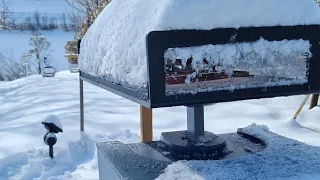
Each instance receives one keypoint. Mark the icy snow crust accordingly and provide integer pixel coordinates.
(115, 47)
(282, 159)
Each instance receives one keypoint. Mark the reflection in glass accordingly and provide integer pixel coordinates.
(236, 66)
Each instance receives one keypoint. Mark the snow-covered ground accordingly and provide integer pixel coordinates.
(26, 102)
(17, 43)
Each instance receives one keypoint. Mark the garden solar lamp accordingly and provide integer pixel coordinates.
(52, 127)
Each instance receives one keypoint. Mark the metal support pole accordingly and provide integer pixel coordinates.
(195, 122)
(81, 107)
(51, 151)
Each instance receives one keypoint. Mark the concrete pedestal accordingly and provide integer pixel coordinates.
(146, 161)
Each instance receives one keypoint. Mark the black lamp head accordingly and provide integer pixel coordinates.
(51, 127)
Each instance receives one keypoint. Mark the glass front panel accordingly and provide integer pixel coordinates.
(236, 66)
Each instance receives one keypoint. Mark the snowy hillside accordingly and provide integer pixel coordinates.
(24, 103)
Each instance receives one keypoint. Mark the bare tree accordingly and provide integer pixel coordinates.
(88, 10)
(40, 47)
(64, 24)
(5, 14)
(36, 17)
(88, 7)
(45, 24)
(28, 24)
(10, 69)
(53, 23)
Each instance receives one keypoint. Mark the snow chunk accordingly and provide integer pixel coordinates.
(114, 46)
(54, 120)
(282, 159)
(179, 171)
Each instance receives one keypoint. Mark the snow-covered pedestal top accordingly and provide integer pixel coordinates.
(115, 45)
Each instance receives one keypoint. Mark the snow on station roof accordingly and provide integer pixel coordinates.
(115, 45)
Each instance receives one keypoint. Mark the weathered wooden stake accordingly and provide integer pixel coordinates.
(81, 107)
(145, 124)
(314, 100)
(301, 106)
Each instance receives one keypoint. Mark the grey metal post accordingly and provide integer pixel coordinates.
(195, 122)
(81, 107)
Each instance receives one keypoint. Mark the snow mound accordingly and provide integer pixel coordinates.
(282, 159)
(36, 163)
(114, 46)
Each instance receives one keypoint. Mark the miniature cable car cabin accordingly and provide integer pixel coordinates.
(176, 73)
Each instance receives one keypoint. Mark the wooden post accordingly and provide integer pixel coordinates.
(81, 106)
(145, 124)
(301, 106)
(314, 100)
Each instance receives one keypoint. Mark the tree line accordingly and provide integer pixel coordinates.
(33, 21)
(37, 21)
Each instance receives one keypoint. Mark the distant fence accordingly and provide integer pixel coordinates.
(60, 18)
(31, 14)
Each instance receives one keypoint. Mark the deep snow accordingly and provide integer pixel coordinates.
(24, 104)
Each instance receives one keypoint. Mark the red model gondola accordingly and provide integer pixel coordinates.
(177, 73)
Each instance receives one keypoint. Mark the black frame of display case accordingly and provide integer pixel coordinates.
(159, 41)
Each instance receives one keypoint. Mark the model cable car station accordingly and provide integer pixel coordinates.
(195, 67)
